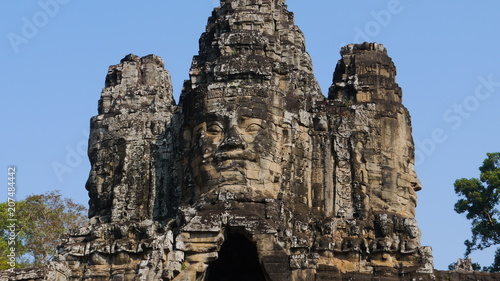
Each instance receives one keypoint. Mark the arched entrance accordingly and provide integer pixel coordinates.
(238, 261)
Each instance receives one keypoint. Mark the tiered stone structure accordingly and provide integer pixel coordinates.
(255, 174)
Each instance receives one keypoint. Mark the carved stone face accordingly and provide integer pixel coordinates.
(238, 149)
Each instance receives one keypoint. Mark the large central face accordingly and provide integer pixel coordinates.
(237, 146)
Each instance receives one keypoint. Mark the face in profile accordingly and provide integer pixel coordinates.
(237, 151)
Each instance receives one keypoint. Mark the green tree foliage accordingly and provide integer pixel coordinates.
(41, 221)
(479, 201)
(5, 242)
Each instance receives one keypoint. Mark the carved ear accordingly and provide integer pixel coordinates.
(286, 141)
(287, 134)
(186, 136)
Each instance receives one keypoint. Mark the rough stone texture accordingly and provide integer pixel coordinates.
(32, 274)
(255, 175)
(38, 275)
(126, 145)
(464, 265)
(130, 162)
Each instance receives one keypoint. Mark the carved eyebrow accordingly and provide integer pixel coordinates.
(215, 127)
(254, 127)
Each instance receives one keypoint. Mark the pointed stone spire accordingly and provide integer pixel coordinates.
(125, 137)
(253, 45)
(365, 73)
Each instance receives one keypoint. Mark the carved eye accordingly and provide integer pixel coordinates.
(215, 129)
(254, 128)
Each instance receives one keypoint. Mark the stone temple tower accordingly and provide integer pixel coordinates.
(254, 174)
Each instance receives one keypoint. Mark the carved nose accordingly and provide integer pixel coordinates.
(232, 141)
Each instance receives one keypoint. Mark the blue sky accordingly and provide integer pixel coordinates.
(55, 58)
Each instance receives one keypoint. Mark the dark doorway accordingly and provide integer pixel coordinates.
(238, 261)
